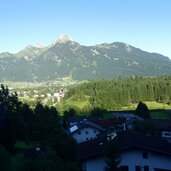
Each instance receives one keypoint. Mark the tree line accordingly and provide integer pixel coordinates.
(33, 139)
(112, 94)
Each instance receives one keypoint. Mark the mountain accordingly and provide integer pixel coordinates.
(65, 57)
(30, 52)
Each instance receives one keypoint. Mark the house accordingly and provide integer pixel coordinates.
(85, 131)
(117, 124)
(127, 116)
(76, 119)
(138, 152)
(161, 125)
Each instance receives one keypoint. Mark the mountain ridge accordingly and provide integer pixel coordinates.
(66, 57)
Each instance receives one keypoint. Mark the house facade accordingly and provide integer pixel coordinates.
(137, 153)
(132, 160)
(163, 126)
(85, 134)
(85, 131)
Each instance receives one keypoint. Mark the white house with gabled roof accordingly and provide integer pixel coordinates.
(85, 131)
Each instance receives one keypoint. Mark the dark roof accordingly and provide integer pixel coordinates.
(77, 118)
(163, 124)
(91, 148)
(81, 118)
(127, 140)
(157, 169)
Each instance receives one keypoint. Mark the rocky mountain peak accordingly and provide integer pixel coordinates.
(62, 39)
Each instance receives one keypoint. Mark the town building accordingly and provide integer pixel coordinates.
(137, 152)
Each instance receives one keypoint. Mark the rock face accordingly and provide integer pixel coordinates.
(65, 57)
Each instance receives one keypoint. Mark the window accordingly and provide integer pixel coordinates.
(137, 168)
(145, 155)
(167, 133)
(146, 168)
(86, 132)
(87, 139)
(79, 133)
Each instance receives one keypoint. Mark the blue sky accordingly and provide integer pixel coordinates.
(145, 24)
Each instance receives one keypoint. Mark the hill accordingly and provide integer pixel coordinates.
(120, 94)
(66, 58)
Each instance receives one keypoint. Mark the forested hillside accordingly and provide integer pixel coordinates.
(112, 94)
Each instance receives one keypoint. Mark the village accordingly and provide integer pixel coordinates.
(47, 92)
(42, 95)
(148, 150)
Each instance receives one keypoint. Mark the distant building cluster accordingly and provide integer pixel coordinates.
(43, 96)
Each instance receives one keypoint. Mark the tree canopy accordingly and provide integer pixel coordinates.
(142, 111)
(24, 129)
(112, 94)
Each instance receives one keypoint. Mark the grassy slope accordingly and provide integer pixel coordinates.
(156, 109)
(81, 104)
(151, 105)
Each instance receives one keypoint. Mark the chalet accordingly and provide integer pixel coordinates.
(138, 152)
(85, 131)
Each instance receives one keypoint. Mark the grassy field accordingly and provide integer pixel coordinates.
(157, 110)
(155, 114)
(79, 104)
(150, 104)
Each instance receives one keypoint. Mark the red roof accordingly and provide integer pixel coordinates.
(109, 122)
